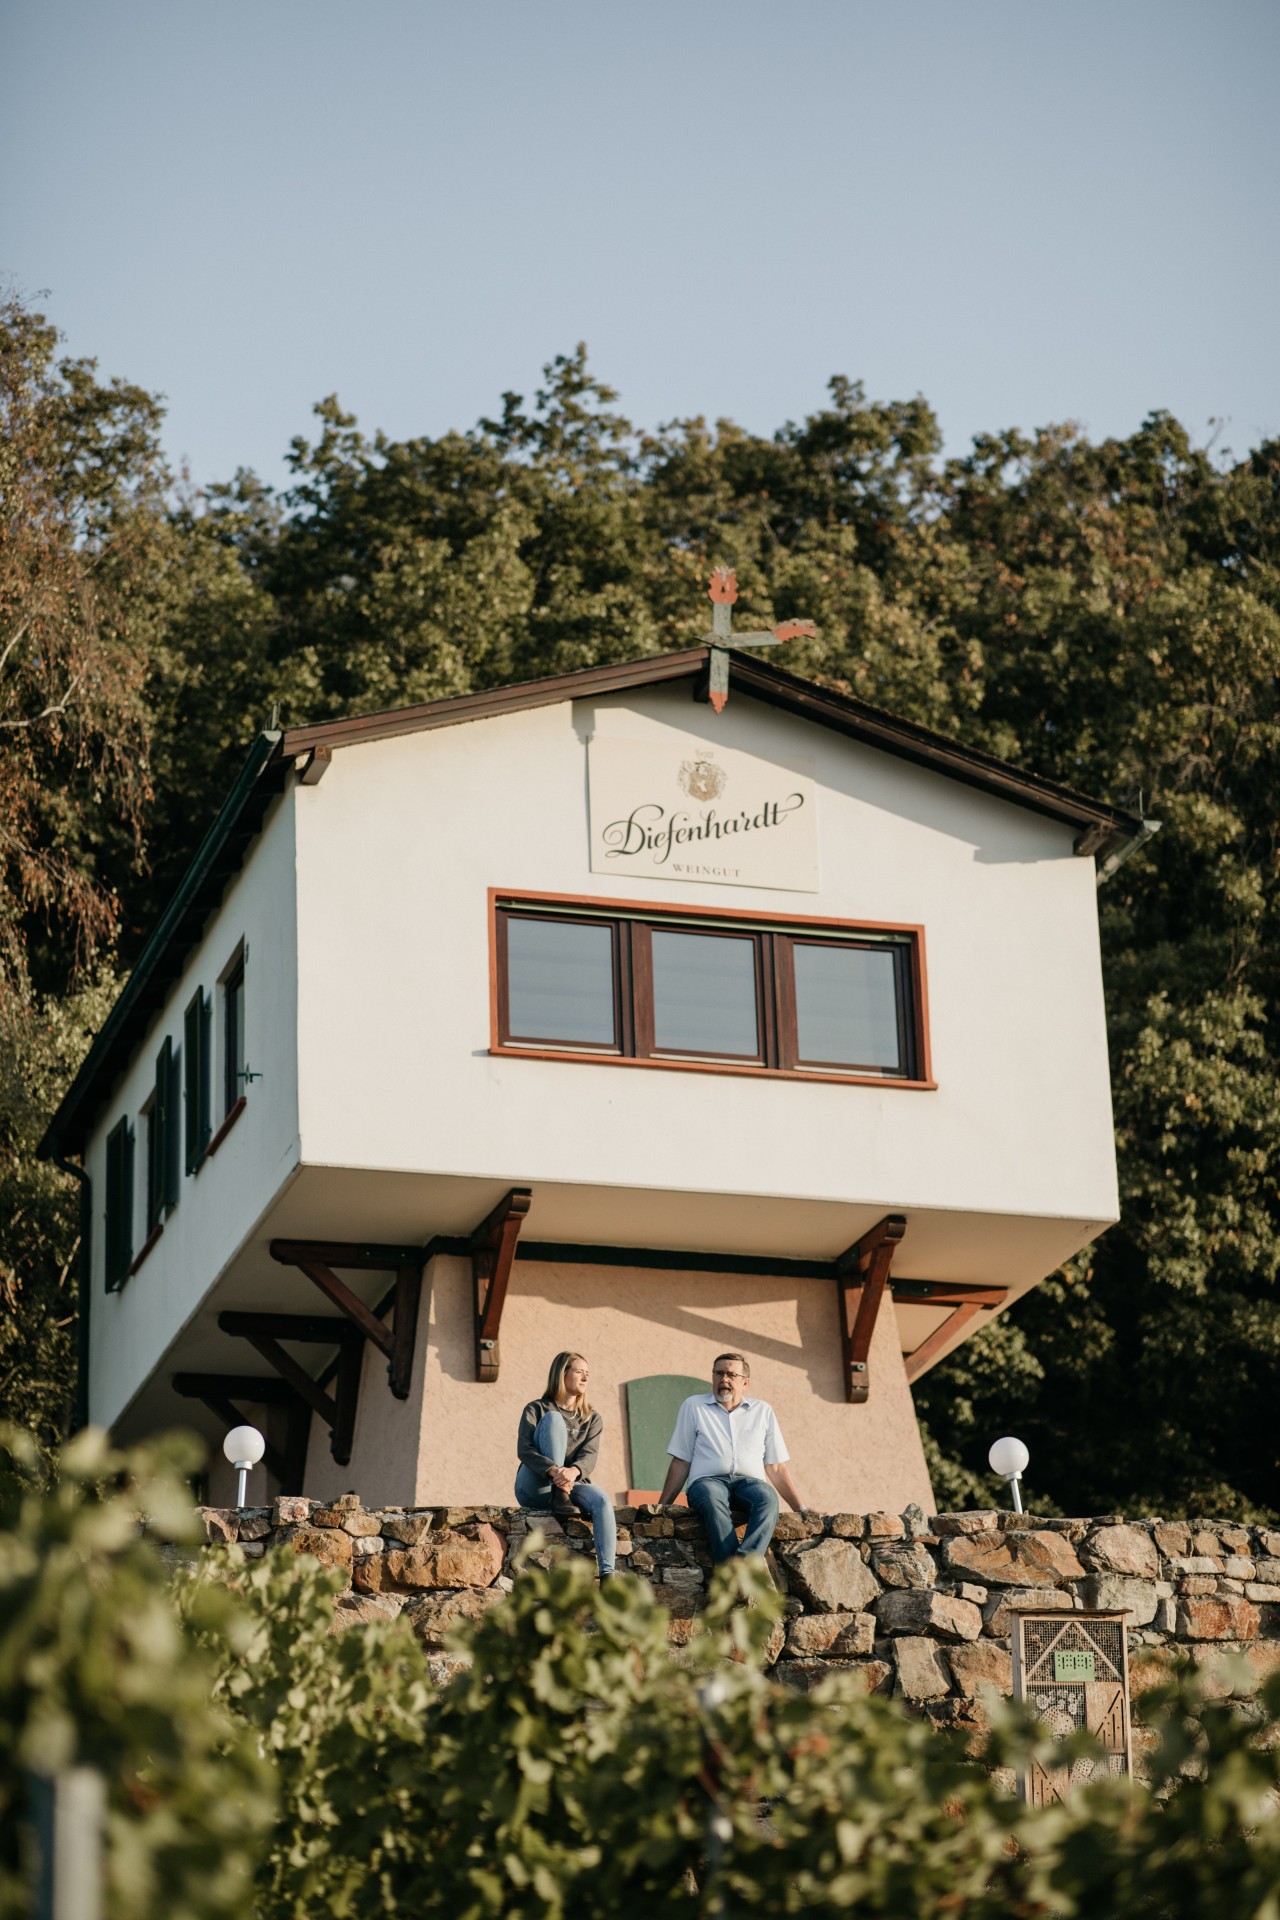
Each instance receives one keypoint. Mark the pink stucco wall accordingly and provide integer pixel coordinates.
(453, 1440)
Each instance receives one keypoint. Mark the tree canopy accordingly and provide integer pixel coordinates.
(1106, 613)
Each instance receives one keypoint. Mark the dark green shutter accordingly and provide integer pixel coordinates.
(197, 1041)
(118, 1238)
(171, 1187)
(652, 1406)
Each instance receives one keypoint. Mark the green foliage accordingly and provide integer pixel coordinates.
(260, 1765)
(576, 1770)
(97, 1670)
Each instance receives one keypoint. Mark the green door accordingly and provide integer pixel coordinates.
(652, 1406)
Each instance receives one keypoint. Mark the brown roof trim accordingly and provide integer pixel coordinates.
(483, 706)
(761, 680)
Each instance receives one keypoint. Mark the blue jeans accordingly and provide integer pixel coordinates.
(713, 1499)
(551, 1436)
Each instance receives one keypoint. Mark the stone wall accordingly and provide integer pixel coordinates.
(913, 1605)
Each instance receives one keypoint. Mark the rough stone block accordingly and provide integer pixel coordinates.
(364, 1544)
(937, 1613)
(797, 1526)
(1127, 1550)
(409, 1529)
(983, 1665)
(873, 1676)
(683, 1576)
(885, 1526)
(432, 1614)
(1269, 1541)
(815, 1633)
(1166, 1615)
(848, 1526)
(1204, 1540)
(220, 1523)
(1198, 1584)
(641, 1561)
(1217, 1619)
(857, 1640)
(831, 1575)
(361, 1525)
(904, 1566)
(289, 1510)
(922, 1672)
(661, 1527)
(999, 1608)
(1014, 1559)
(1113, 1592)
(1266, 1567)
(450, 1558)
(982, 1521)
(253, 1549)
(1171, 1537)
(965, 1590)
(255, 1523)
(1260, 1593)
(366, 1609)
(328, 1545)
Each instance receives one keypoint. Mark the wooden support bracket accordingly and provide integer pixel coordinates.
(966, 1303)
(863, 1271)
(318, 1258)
(493, 1248)
(219, 1392)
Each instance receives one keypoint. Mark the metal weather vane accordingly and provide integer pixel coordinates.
(723, 593)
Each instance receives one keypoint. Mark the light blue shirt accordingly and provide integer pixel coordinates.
(714, 1440)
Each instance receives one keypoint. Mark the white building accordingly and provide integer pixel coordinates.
(579, 1014)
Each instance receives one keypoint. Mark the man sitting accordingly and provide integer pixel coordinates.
(724, 1445)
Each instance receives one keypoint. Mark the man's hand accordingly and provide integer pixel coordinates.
(786, 1486)
(677, 1474)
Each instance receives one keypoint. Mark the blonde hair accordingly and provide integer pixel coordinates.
(555, 1392)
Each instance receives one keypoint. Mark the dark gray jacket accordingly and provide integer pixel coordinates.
(584, 1440)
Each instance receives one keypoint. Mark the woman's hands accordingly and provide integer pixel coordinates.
(562, 1478)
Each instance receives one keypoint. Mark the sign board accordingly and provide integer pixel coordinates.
(681, 809)
(1073, 1668)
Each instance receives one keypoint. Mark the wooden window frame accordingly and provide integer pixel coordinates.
(633, 920)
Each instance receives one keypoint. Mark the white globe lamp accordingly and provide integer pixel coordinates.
(1008, 1457)
(243, 1447)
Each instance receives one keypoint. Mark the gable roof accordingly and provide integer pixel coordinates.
(1107, 833)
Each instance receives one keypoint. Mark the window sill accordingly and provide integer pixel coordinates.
(145, 1249)
(718, 1066)
(224, 1129)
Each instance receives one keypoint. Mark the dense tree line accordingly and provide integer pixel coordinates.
(1107, 614)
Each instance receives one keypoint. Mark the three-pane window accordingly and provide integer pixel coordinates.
(813, 998)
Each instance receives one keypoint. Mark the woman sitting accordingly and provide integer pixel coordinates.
(558, 1441)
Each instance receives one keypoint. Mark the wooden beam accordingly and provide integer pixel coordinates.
(321, 1328)
(355, 1309)
(297, 1377)
(404, 1329)
(265, 1389)
(864, 1270)
(493, 1248)
(983, 1301)
(346, 1253)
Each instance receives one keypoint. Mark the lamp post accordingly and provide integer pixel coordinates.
(1008, 1457)
(243, 1447)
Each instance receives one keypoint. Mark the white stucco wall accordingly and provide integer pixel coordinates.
(399, 843)
(219, 1205)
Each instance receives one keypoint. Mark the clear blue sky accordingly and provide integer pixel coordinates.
(1027, 212)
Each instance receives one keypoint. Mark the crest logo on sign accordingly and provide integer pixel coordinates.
(702, 779)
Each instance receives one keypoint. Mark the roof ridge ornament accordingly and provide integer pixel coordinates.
(723, 592)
